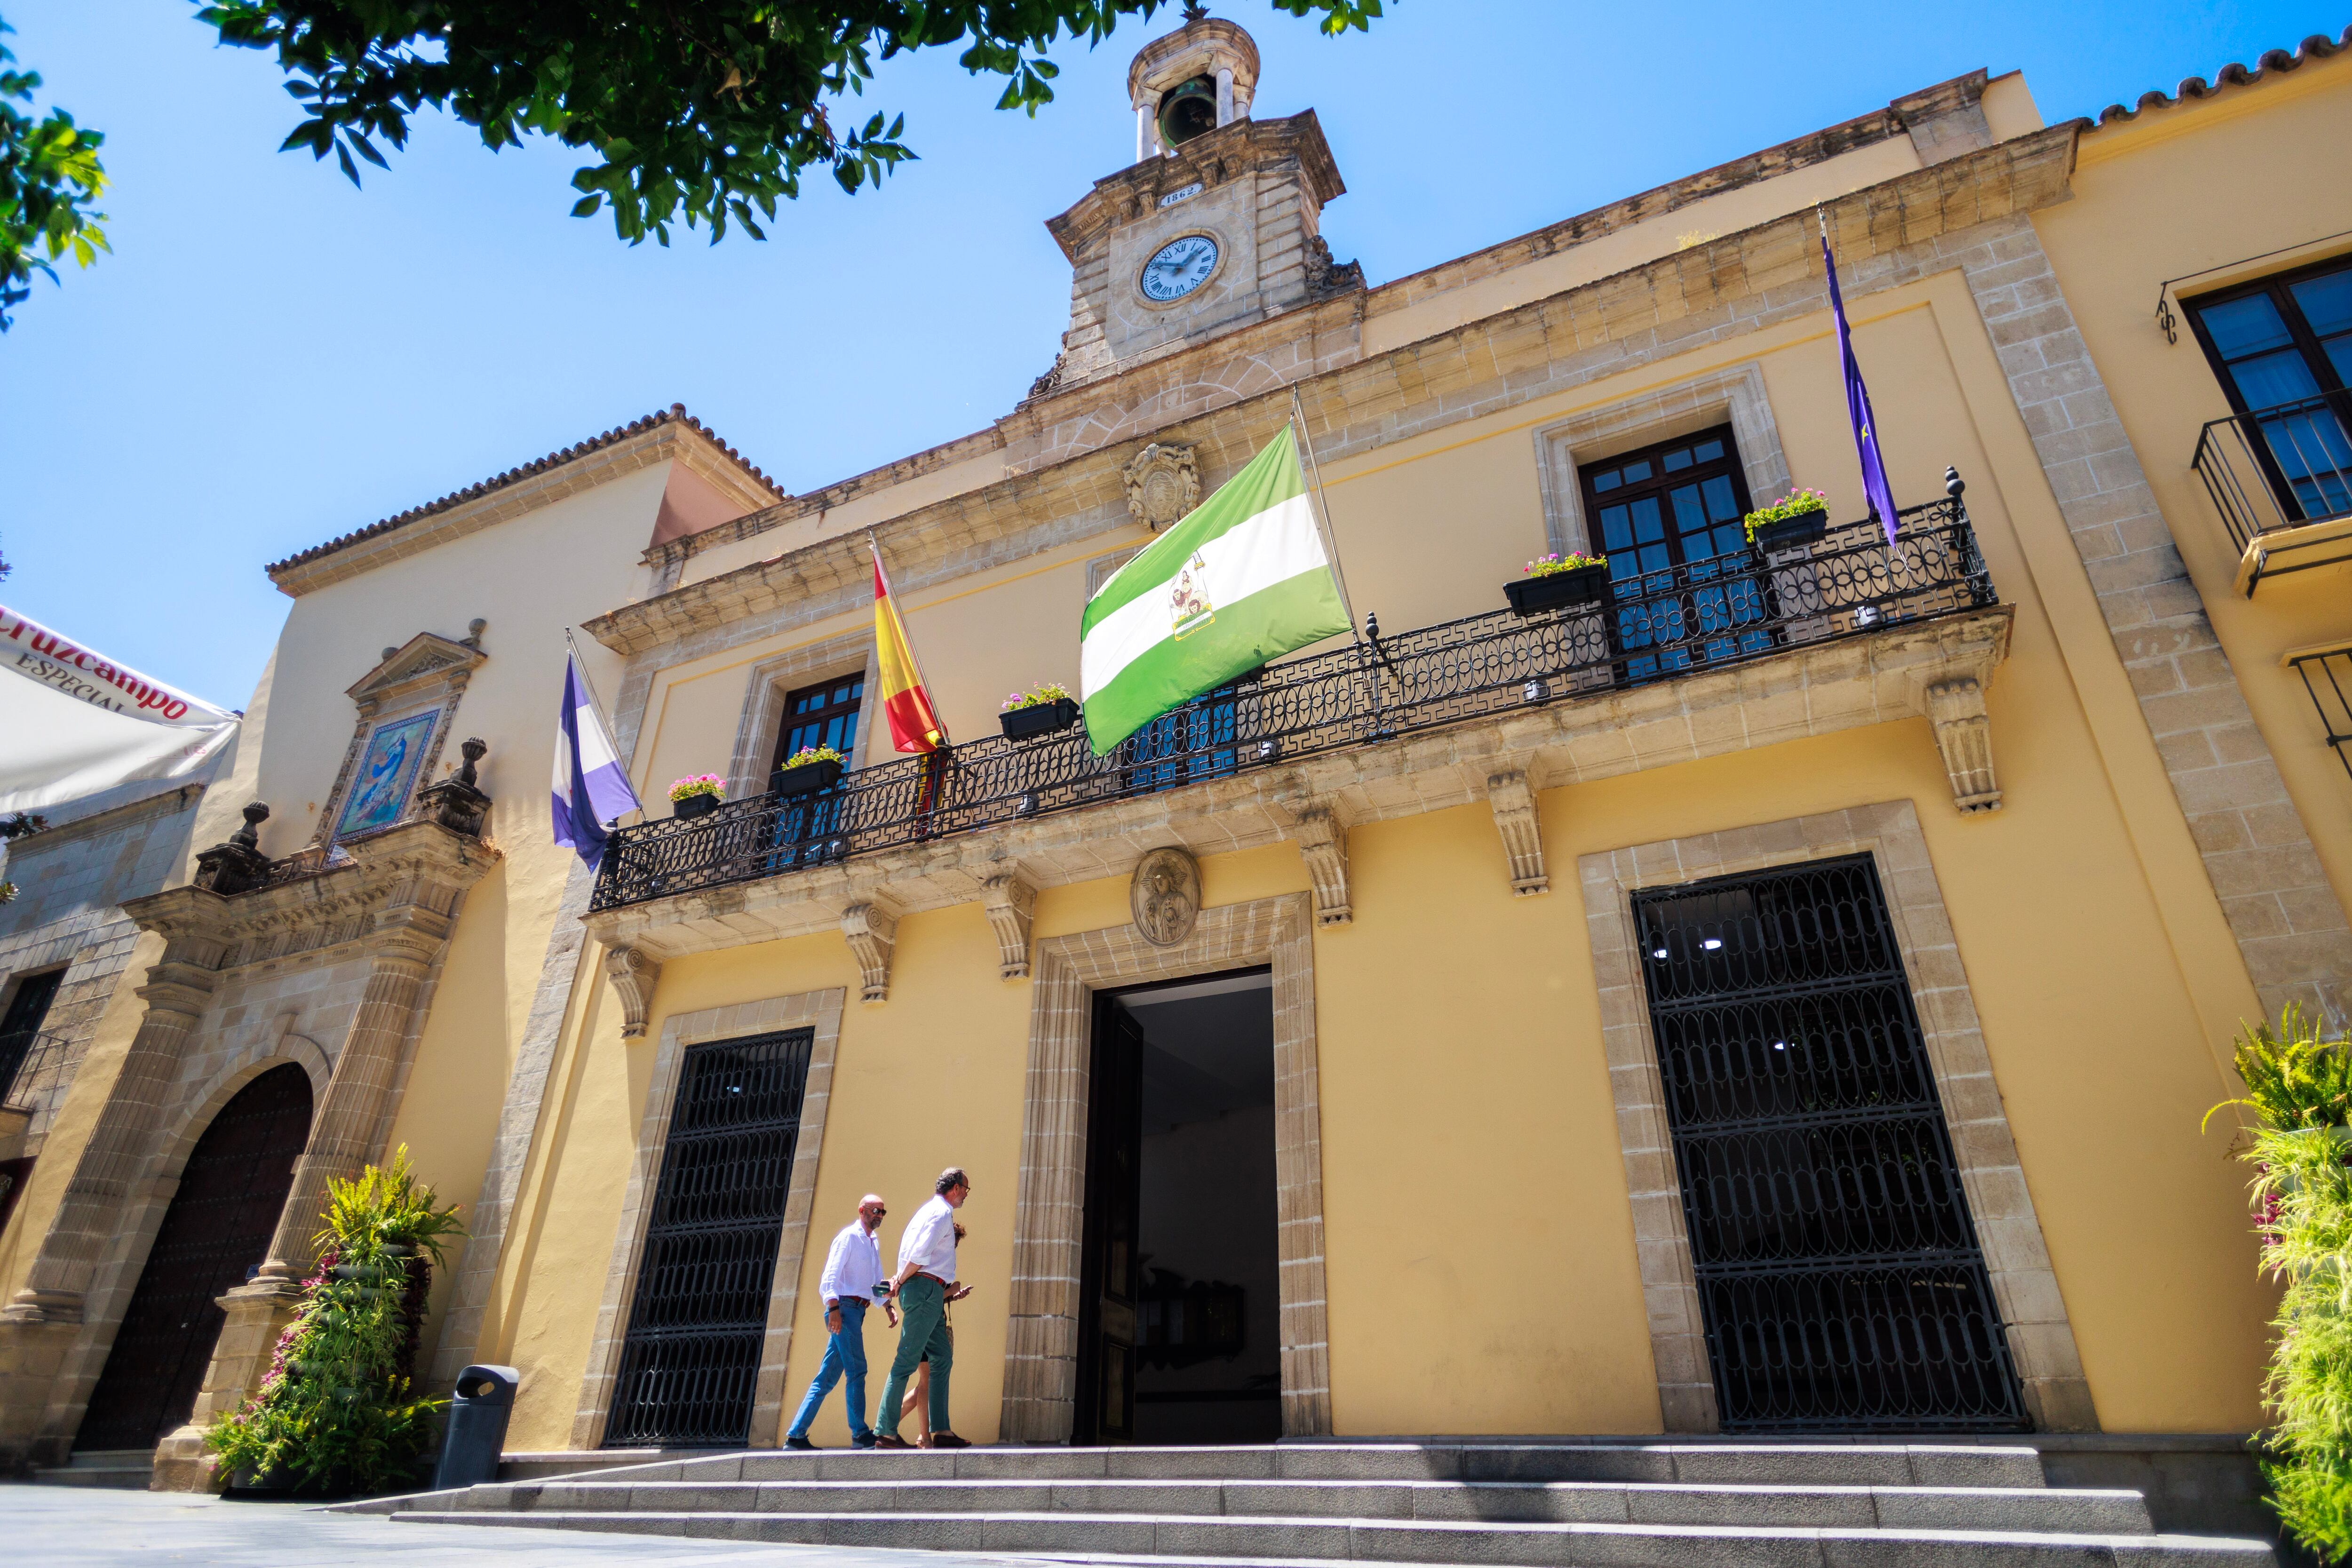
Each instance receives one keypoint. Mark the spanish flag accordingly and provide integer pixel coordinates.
(914, 728)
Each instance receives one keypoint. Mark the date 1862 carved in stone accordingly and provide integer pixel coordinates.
(1165, 896)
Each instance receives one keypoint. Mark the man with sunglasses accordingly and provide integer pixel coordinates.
(851, 1282)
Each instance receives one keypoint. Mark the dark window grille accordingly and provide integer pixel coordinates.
(2328, 678)
(2282, 349)
(1838, 1271)
(700, 1315)
(20, 1027)
(1853, 584)
(216, 1233)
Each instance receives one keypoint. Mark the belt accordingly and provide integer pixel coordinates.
(926, 1273)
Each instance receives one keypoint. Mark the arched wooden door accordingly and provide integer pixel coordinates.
(217, 1231)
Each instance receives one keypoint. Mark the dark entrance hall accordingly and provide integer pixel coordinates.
(1180, 1337)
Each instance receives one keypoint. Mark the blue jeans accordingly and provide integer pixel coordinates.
(845, 1356)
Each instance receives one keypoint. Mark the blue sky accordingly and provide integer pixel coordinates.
(270, 358)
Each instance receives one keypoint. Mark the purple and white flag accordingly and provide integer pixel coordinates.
(1874, 487)
(591, 788)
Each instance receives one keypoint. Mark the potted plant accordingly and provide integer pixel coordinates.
(338, 1411)
(1796, 519)
(1042, 711)
(1555, 581)
(698, 795)
(807, 771)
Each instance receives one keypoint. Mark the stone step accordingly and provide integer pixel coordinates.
(2081, 1512)
(1826, 1464)
(1194, 1539)
(126, 1469)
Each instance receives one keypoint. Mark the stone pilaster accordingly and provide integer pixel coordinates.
(342, 1133)
(41, 1324)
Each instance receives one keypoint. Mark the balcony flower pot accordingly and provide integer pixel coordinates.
(1791, 532)
(1038, 719)
(693, 805)
(806, 778)
(1558, 590)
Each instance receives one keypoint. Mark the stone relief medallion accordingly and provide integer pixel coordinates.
(1165, 896)
(1163, 483)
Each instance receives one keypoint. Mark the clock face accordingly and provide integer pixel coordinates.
(1178, 267)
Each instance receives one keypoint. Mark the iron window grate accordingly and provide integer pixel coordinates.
(1839, 1274)
(699, 1315)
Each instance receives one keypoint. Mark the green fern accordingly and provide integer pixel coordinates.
(2299, 1082)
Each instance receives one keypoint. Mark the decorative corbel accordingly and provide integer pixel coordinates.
(1009, 901)
(1323, 845)
(872, 930)
(632, 976)
(1964, 734)
(1513, 801)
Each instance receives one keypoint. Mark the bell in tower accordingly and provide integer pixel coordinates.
(1187, 84)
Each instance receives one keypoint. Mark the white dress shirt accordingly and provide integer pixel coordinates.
(853, 1265)
(928, 1240)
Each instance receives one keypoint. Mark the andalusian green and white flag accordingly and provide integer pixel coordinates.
(1241, 579)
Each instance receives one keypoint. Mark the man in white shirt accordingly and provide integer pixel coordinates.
(927, 1261)
(850, 1283)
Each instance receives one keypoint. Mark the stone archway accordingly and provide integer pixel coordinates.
(216, 1229)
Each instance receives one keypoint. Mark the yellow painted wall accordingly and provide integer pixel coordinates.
(2147, 193)
(1482, 1270)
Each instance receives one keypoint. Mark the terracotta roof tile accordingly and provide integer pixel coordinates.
(2318, 47)
(675, 413)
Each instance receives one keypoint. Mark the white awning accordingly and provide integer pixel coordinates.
(73, 723)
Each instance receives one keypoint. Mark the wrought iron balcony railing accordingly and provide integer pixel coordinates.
(2282, 479)
(2326, 672)
(1650, 626)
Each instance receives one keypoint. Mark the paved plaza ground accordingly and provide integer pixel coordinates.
(72, 1527)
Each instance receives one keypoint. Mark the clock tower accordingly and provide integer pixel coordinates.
(1215, 225)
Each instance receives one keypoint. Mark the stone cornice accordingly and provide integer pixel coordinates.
(1352, 407)
(596, 464)
(164, 803)
(1821, 690)
(414, 864)
(1211, 158)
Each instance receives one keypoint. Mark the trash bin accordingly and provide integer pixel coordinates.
(477, 1427)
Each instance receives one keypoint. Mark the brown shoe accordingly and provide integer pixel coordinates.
(947, 1440)
(890, 1440)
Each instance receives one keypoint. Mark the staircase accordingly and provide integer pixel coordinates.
(1626, 1505)
(128, 1469)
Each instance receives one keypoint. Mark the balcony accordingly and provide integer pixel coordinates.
(2282, 479)
(2327, 672)
(1618, 669)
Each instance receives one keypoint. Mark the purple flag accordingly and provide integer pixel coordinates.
(1857, 407)
(591, 787)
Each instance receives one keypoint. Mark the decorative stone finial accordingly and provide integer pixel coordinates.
(474, 630)
(472, 750)
(249, 837)
(386, 657)
(238, 865)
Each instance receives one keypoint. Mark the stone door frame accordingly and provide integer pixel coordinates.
(1049, 1214)
(817, 1010)
(2024, 1285)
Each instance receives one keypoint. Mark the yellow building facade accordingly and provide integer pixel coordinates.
(1779, 991)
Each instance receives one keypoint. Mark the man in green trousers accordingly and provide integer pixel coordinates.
(925, 1281)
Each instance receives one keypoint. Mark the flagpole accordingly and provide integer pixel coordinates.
(874, 543)
(1323, 506)
(580, 664)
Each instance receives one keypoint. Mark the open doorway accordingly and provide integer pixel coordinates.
(1179, 1332)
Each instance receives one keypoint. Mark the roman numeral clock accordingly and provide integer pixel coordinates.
(1213, 227)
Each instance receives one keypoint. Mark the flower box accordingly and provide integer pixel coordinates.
(806, 778)
(1038, 719)
(693, 805)
(1791, 533)
(1558, 590)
